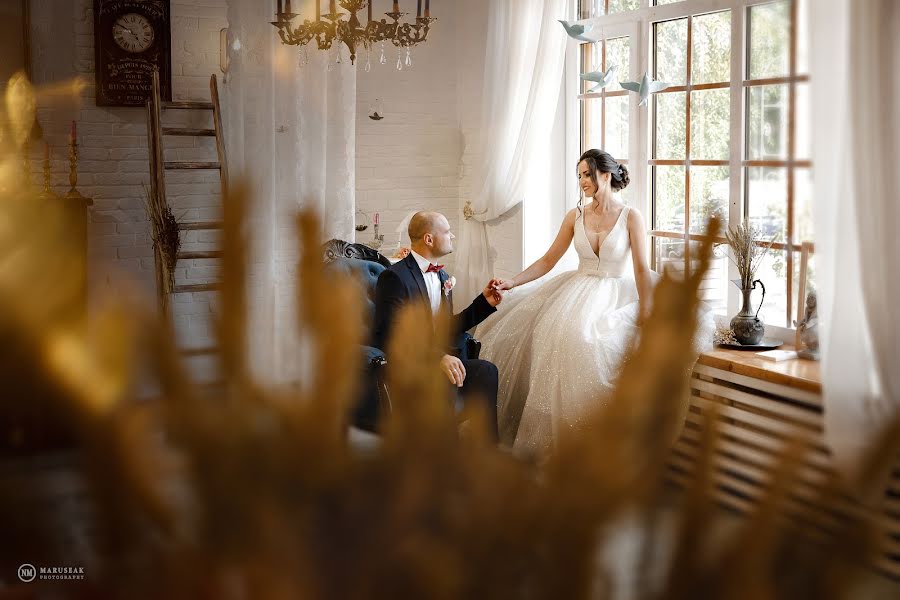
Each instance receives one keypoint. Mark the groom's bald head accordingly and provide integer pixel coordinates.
(421, 223)
(430, 235)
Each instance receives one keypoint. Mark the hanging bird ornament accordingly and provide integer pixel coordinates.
(646, 87)
(602, 79)
(578, 32)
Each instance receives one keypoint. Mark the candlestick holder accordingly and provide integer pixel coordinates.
(73, 174)
(377, 240)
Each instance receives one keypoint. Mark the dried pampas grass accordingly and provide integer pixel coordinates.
(166, 235)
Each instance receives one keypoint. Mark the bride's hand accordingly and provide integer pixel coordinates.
(503, 284)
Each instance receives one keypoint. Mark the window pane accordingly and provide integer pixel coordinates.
(671, 51)
(710, 128)
(591, 60)
(668, 198)
(767, 112)
(709, 196)
(669, 255)
(711, 53)
(803, 36)
(803, 140)
(618, 53)
(623, 5)
(591, 123)
(803, 206)
(769, 39)
(714, 286)
(767, 201)
(617, 126)
(773, 273)
(671, 124)
(661, 2)
(590, 8)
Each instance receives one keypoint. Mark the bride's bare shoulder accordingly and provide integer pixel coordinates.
(634, 218)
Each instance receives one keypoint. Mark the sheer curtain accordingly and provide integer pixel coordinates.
(522, 77)
(856, 91)
(290, 131)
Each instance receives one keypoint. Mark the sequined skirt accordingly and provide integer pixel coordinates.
(558, 348)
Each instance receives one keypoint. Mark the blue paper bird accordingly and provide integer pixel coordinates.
(600, 78)
(646, 87)
(577, 31)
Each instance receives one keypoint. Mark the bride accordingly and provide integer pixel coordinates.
(558, 349)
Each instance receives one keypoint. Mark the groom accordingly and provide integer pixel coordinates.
(419, 278)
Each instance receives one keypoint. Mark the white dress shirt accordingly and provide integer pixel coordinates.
(432, 282)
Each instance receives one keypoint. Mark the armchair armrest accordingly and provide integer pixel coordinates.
(376, 363)
(471, 346)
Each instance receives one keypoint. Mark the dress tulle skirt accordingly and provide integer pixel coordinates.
(558, 348)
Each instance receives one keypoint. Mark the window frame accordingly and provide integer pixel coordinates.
(642, 21)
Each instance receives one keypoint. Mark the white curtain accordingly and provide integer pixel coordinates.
(856, 91)
(523, 71)
(290, 131)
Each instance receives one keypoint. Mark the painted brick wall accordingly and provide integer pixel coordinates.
(422, 155)
(113, 150)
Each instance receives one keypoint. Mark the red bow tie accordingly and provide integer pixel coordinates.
(433, 268)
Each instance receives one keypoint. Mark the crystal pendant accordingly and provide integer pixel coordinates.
(408, 56)
(368, 58)
(383, 59)
(399, 60)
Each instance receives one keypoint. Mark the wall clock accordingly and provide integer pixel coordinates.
(131, 39)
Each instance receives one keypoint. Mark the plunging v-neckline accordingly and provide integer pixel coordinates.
(608, 233)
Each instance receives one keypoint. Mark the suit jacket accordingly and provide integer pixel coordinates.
(403, 282)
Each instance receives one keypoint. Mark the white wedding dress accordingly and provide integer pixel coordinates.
(558, 347)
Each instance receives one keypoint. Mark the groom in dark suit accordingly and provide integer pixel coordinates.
(419, 278)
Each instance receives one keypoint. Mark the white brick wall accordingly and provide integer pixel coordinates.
(113, 155)
(421, 155)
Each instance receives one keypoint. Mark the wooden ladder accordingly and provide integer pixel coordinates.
(158, 167)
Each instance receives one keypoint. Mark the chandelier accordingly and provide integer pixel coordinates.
(330, 28)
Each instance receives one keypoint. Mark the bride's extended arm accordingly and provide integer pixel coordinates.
(542, 266)
(637, 233)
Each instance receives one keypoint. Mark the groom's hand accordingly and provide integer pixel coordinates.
(454, 369)
(491, 293)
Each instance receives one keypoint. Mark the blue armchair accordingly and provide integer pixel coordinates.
(365, 264)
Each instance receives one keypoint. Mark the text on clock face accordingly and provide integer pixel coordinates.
(132, 32)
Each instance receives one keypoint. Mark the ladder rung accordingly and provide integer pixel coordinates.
(201, 351)
(188, 105)
(197, 287)
(188, 131)
(192, 165)
(200, 226)
(200, 254)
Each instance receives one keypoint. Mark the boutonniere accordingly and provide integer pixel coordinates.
(448, 285)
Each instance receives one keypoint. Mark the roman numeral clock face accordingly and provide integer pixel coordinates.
(133, 33)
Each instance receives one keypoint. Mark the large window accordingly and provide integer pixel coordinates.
(729, 137)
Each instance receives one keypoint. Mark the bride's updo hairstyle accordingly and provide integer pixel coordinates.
(598, 160)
